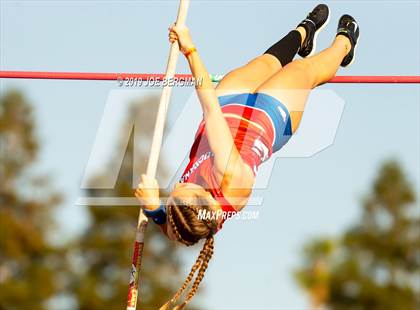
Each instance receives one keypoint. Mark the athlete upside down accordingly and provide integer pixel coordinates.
(251, 114)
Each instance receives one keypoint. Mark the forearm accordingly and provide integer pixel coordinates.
(204, 85)
(218, 133)
(221, 142)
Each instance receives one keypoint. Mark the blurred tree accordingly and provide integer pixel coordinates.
(105, 249)
(376, 263)
(315, 276)
(28, 263)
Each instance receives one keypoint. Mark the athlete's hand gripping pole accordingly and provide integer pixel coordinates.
(153, 160)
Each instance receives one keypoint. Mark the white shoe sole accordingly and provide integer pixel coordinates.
(317, 32)
(354, 52)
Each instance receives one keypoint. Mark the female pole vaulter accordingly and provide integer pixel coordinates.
(251, 114)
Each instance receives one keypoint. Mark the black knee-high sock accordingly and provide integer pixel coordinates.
(285, 49)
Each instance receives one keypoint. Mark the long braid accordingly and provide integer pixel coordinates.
(181, 223)
(175, 229)
(194, 268)
(209, 250)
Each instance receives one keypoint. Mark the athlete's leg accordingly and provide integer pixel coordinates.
(291, 85)
(303, 40)
(247, 78)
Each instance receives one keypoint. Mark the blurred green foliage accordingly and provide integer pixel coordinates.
(29, 265)
(91, 272)
(104, 250)
(376, 263)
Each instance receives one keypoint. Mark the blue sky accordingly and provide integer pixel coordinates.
(306, 197)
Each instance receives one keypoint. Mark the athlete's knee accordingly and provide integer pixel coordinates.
(306, 69)
(266, 61)
(305, 65)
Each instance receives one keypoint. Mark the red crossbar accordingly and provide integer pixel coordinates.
(144, 76)
(399, 79)
(81, 75)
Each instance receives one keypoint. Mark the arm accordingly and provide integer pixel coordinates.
(227, 158)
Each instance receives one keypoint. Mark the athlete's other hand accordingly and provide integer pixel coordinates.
(182, 35)
(147, 193)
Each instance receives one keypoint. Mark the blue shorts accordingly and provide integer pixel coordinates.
(275, 110)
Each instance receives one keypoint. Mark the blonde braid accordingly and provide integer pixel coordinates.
(203, 258)
(213, 228)
(202, 261)
(194, 268)
(175, 229)
(209, 250)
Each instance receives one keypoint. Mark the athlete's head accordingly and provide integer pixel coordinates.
(185, 205)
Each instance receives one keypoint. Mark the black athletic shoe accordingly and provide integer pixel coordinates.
(313, 24)
(347, 26)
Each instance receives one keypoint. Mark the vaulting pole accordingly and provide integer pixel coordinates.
(153, 160)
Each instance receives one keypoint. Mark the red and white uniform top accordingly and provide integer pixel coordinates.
(253, 134)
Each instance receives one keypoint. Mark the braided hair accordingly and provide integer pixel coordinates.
(189, 229)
